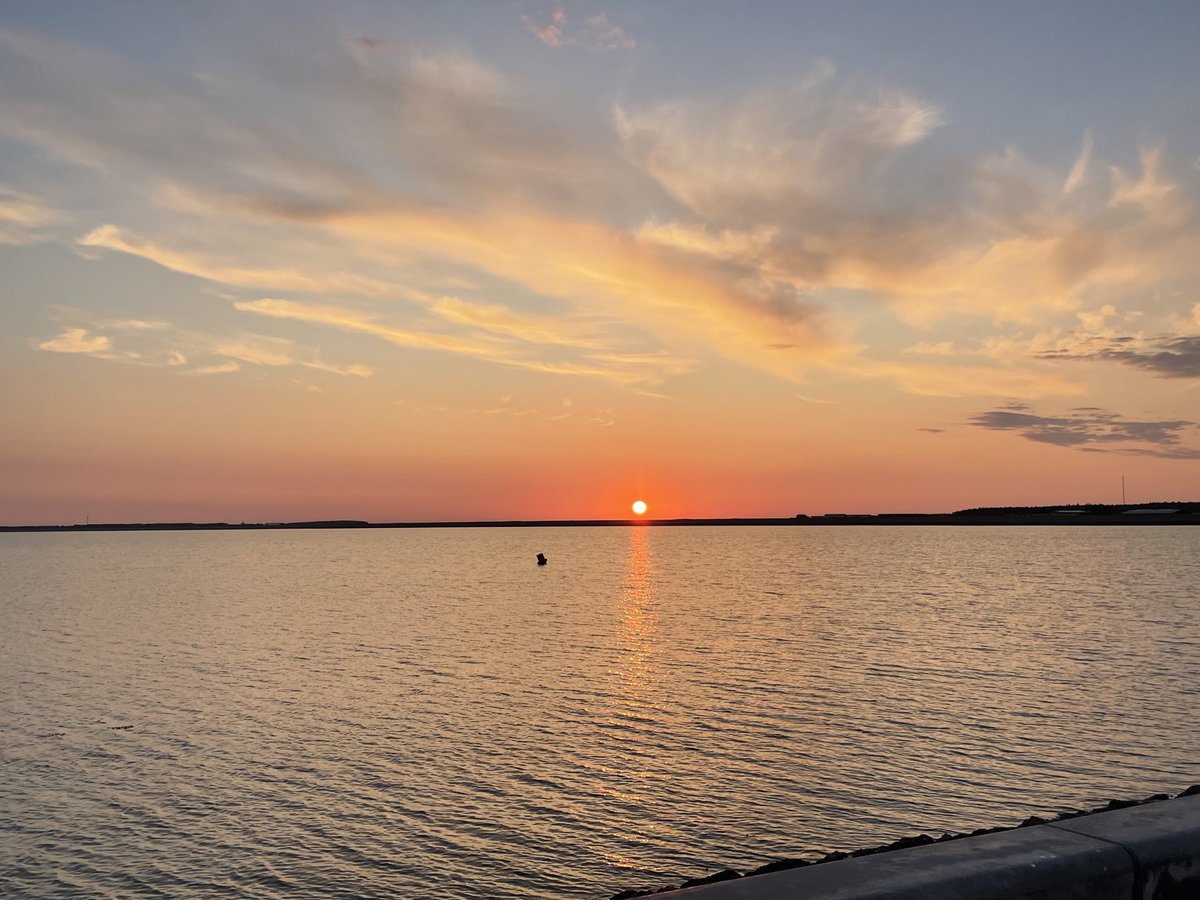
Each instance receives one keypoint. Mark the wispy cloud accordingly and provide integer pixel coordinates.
(600, 33)
(567, 411)
(218, 369)
(931, 348)
(23, 217)
(596, 33)
(524, 327)
(957, 380)
(365, 42)
(780, 151)
(1080, 167)
(550, 29)
(158, 343)
(110, 237)
(627, 369)
(101, 112)
(77, 340)
(1094, 429)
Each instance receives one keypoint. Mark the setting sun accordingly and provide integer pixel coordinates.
(639, 506)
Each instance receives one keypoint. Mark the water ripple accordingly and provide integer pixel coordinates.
(426, 713)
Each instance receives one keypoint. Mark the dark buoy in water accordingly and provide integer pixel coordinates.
(541, 559)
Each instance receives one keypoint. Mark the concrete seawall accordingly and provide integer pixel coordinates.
(1148, 852)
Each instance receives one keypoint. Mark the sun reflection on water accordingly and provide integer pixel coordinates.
(638, 626)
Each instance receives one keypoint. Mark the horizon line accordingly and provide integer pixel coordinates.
(1067, 512)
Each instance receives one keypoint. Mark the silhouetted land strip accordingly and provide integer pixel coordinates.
(919, 840)
(1180, 513)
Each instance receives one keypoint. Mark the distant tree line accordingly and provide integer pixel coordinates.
(1093, 509)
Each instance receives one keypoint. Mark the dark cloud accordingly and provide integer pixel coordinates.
(1170, 357)
(1094, 430)
(932, 430)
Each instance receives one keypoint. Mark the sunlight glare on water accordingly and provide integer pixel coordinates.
(421, 713)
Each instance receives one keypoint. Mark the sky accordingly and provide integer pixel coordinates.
(515, 260)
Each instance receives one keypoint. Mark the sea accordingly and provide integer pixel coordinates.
(416, 713)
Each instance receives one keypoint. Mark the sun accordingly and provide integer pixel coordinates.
(639, 507)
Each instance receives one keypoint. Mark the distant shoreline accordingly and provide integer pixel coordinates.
(1181, 517)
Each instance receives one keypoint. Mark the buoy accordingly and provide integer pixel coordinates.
(541, 559)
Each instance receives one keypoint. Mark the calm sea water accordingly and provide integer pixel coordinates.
(427, 713)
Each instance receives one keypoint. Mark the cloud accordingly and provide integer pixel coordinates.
(1094, 429)
(931, 348)
(524, 327)
(727, 245)
(354, 369)
(568, 411)
(834, 186)
(600, 269)
(627, 369)
(549, 32)
(604, 35)
(263, 350)
(110, 237)
(597, 32)
(258, 350)
(219, 369)
(77, 340)
(372, 120)
(771, 227)
(771, 154)
(1151, 192)
(23, 218)
(1079, 168)
(940, 380)
(450, 121)
(101, 112)
(1167, 356)
(161, 344)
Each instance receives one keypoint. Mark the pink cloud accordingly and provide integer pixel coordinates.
(598, 33)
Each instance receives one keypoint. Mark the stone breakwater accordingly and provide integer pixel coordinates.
(919, 840)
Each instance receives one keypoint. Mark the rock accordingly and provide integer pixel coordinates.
(723, 875)
(919, 840)
(779, 865)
